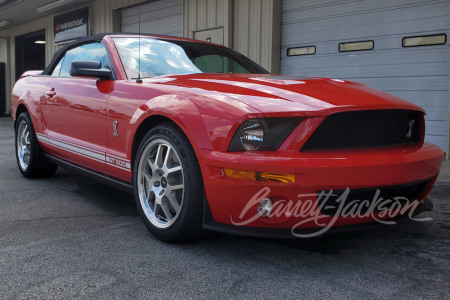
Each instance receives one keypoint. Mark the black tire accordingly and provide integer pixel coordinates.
(37, 166)
(187, 221)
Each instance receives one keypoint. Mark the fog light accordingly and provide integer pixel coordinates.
(264, 207)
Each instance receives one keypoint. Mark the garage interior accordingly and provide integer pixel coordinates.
(30, 52)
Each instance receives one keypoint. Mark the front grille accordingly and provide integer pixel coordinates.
(404, 194)
(367, 129)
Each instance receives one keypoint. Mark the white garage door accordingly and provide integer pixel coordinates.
(419, 74)
(159, 17)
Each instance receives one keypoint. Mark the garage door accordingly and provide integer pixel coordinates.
(419, 74)
(159, 17)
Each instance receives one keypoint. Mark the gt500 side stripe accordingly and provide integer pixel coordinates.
(109, 159)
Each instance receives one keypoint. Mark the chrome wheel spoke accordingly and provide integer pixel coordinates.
(173, 170)
(156, 209)
(175, 187)
(26, 157)
(159, 157)
(169, 150)
(148, 180)
(166, 211)
(174, 203)
(148, 185)
(27, 138)
(25, 130)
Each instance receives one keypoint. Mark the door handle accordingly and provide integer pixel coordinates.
(51, 93)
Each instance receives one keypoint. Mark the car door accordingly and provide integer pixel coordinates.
(74, 110)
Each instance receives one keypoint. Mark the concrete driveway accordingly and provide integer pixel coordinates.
(71, 237)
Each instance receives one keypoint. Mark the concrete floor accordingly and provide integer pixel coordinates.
(444, 175)
(70, 237)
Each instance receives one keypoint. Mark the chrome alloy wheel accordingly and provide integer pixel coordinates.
(23, 145)
(160, 183)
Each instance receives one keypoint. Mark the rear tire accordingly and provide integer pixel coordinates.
(168, 185)
(29, 155)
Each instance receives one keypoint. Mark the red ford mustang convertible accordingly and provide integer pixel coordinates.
(207, 139)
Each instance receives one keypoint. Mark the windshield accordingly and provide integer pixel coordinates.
(162, 57)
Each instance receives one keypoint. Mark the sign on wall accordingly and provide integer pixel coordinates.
(71, 26)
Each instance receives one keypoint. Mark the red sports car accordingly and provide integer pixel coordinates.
(207, 139)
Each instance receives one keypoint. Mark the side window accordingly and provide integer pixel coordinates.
(217, 64)
(92, 51)
(57, 69)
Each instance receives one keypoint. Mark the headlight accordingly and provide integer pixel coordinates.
(252, 135)
(262, 134)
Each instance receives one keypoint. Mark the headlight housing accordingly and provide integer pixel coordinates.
(263, 134)
(252, 135)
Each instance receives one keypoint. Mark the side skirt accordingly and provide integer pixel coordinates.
(122, 185)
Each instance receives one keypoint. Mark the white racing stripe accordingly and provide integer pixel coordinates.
(42, 138)
(109, 159)
(75, 145)
(78, 150)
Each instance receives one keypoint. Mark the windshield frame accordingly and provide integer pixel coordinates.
(233, 55)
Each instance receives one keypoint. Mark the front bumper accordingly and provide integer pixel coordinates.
(232, 202)
(289, 233)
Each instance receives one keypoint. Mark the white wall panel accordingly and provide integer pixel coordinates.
(201, 15)
(256, 32)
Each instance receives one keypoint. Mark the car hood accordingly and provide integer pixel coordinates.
(288, 94)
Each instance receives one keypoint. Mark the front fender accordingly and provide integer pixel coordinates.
(181, 111)
(206, 121)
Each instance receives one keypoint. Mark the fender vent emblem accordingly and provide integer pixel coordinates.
(116, 134)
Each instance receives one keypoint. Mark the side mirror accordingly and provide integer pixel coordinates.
(89, 68)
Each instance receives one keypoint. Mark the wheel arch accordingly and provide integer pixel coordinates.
(20, 109)
(146, 125)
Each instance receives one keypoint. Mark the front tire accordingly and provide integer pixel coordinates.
(29, 155)
(168, 185)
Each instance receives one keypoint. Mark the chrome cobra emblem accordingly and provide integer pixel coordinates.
(116, 134)
(411, 125)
